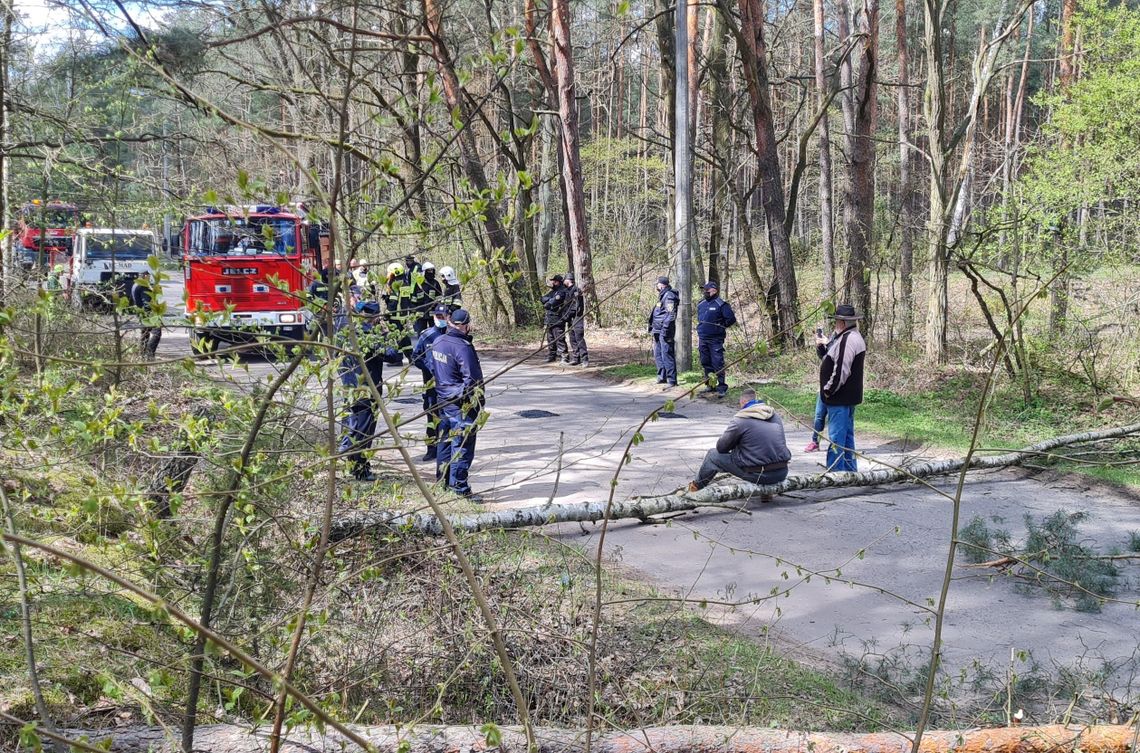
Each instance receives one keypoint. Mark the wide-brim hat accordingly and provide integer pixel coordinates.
(846, 313)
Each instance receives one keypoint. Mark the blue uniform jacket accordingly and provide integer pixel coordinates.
(664, 314)
(455, 365)
(421, 353)
(713, 318)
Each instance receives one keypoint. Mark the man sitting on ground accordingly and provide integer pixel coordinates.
(752, 447)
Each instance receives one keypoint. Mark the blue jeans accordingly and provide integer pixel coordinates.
(712, 360)
(666, 358)
(817, 422)
(455, 447)
(841, 434)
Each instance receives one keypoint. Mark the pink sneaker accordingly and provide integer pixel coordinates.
(812, 447)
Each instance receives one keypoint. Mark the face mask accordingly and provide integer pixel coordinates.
(441, 323)
(710, 294)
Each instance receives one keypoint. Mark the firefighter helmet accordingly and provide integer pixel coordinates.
(448, 275)
(395, 269)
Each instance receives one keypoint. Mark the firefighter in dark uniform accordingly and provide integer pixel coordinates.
(556, 303)
(459, 390)
(714, 317)
(360, 424)
(142, 298)
(422, 358)
(426, 294)
(663, 327)
(576, 323)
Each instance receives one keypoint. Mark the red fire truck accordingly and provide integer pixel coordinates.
(45, 233)
(247, 269)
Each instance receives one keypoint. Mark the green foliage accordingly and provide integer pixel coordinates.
(978, 542)
(1071, 569)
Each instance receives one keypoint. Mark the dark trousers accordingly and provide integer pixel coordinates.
(712, 360)
(360, 427)
(429, 403)
(577, 329)
(556, 340)
(719, 462)
(456, 449)
(149, 341)
(664, 354)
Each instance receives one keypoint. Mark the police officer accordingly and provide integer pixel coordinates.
(663, 327)
(422, 358)
(142, 298)
(556, 303)
(459, 390)
(714, 317)
(576, 323)
(360, 425)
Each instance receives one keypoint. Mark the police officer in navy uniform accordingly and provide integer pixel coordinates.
(360, 425)
(714, 317)
(576, 323)
(459, 391)
(663, 327)
(556, 303)
(422, 358)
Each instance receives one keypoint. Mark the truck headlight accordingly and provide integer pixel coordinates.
(287, 318)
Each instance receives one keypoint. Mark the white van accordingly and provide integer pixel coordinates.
(105, 262)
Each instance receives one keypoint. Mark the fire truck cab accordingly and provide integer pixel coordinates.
(45, 233)
(246, 270)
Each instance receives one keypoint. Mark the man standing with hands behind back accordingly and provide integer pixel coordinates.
(841, 385)
(663, 327)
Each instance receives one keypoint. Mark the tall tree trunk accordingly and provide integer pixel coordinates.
(568, 112)
(826, 214)
(753, 52)
(683, 198)
(546, 199)
(665, 12)
(1066, 65)
(859, 204)
(906, 201)
(522, 303)
(720, 111)
(934, 113)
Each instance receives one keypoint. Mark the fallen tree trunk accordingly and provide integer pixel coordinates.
(679, 739)
(642, 508)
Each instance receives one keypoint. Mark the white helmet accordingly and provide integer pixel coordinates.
(395, 269)
(448, 275)
(427, 266)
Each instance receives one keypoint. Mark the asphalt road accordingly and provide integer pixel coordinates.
(879, 554)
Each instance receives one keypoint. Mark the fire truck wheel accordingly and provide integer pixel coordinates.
(202, 344)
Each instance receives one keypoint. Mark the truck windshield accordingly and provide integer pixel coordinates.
(243, 236)
(123, 246)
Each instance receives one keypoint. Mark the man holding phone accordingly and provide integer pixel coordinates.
(841, 385)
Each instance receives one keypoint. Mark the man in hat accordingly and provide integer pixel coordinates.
(841, 385)
(752, 447)
(714, 317)
(663, 327)
(459, 392)
(422, 358)
(360, 425)
(556, 303)
(576, 323)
